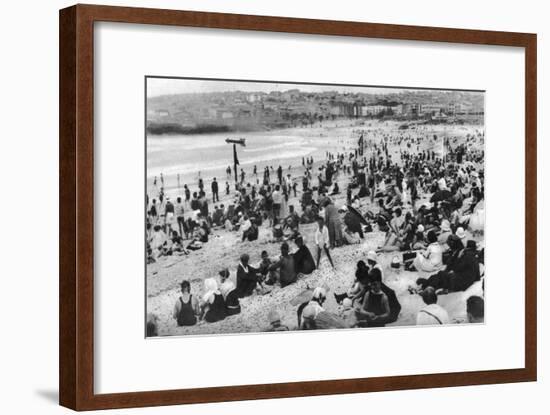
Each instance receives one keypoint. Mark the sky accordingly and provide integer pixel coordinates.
(169, 86)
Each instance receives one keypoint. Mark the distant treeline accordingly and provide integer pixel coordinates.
(174, 128)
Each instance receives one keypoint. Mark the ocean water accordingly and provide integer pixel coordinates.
(209, 154)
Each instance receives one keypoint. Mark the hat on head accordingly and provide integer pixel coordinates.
(445, 225)
(420, 228)
(461, 233)
(224, 273)
(395, 262)
(371, 256)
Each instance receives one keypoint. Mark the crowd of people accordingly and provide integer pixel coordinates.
(430, 206)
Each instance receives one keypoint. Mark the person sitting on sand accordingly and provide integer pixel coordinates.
(372, 262)
(157, 242)
(350, 238)
(272, 276)
(290, 226)
(213, 304)
(303, 260)
(419, 240)
(186, 308)
(285, 265)
(432, 314)
(460, 274)
(475, 308)
(152, 325)
(230, 294)
(359, 287)
(395, 199)
(431, 259)
(353, 222)
(375, 309)
(247, 277)
(335, 189)
(275, 324)
(394, 235)
(249, 228)
(445, 232)
(308, 311)
(277, 231)
(177, 243)
(322, 241)
(308, 214)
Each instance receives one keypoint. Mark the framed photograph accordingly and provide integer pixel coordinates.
(259, 207)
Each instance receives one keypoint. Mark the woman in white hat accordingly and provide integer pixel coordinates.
(431, 259)
(461, 233)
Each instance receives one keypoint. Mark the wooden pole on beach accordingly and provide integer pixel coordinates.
(235, 162)
(241, 142)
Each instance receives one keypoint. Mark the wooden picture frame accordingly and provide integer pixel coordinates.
(76, 156)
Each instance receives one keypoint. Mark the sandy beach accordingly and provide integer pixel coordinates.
(224, 247)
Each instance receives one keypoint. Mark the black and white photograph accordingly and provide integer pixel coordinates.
(276, 206)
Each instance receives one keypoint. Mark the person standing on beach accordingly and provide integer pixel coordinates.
(277, 198)
(280, 174)
(169, 216)
(187, 194)
(215, 197)
(180, 218)
(227, 190)
(322, 241)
